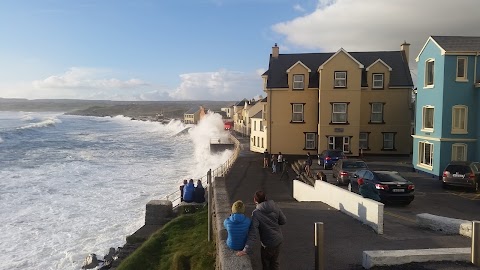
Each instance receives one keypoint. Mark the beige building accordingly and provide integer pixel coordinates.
(194, 115)
(258, 131)
(359, 102)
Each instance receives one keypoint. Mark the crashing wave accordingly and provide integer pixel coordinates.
(45, 123)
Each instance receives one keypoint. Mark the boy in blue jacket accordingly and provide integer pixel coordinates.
(237, 226)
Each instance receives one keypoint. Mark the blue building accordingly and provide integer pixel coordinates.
(447, 117)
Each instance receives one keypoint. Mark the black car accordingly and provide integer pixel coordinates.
(328, 158)
(344, 169)
(462, 173)
(391, 186)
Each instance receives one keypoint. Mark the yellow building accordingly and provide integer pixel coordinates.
(343, 100)
(194, 115)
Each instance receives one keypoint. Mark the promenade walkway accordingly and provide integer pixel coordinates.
(345, 237)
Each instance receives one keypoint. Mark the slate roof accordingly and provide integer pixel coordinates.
(258, 115)
(278, 77)
(241, 103)
(458, 43)
(192, 111)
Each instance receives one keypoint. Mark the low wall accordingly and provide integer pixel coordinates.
(226, 258)
(445, 225)
(368, 211)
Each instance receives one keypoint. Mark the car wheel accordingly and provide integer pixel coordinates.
(350, 187)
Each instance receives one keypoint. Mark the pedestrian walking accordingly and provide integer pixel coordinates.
(280, 161)
(266, 220)
(266, 158)
(274, 164)
(308, 165)
(368, 190)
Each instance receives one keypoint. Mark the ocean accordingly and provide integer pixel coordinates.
(75, 185)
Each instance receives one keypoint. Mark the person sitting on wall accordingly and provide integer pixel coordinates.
(368, 190)
(237, 226)
(199, 193)
(185, 182)
(188, 192)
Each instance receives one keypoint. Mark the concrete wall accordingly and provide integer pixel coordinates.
(368, 211)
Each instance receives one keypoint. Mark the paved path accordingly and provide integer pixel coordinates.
(345, 237)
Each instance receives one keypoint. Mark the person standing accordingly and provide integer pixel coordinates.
(266, 158)
(308, 165)
(185, 182)
(237, 226)
(280, 161)
(274, 164)
(266, 220)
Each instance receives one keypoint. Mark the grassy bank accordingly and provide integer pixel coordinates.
(180, 245)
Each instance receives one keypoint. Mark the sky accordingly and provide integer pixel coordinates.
(197, 49)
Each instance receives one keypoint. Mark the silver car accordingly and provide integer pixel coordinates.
(346, 168)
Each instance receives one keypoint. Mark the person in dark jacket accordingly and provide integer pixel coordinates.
(266, 220)
(199, 193)
(237, 226)
(368, 190)
(185, 182)
(188, 191)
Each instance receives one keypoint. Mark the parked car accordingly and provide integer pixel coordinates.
(328, 158)
(462, 173)
(391, 185)
(344, 169)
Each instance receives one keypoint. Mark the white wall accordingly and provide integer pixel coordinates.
(368, 211)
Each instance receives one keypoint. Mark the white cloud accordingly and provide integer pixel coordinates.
(372, 25)
(85, 78)
(218, 85)
(298, 8)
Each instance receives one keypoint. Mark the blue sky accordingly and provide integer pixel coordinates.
(197, 49)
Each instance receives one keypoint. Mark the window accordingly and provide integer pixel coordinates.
(261, 125)
(339, 143)
(297, 113)
(310, 140)
(377, 112)
(363, 140)
(428, 113)
(459, 152)
(298, 82)
(377, 81)
(429, 72)
(339, 113)
(425, 154)
(254, 125)
(459, 119)
(388, 141)
(254, 140)
(461, 68)
(340, 79)
(262, 142)
(258, 141)
(264, 113)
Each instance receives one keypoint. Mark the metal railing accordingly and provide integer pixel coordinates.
(221, 171)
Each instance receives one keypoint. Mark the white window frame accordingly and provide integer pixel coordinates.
(339, 79)
(298, 81)
(424, 127)
(423, 160)
(388, 140)
(331, 142)
(377, 80)
(254, 125)
(465, 65)
(295, 111)
(457, 127)
(336, 112)
(346, 144)
(376, 112)
(310, 140)
(427, 83)
(363, 139)
(455, 152)
(261, 125)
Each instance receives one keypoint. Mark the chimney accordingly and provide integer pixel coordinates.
(275, 51)
(406, 48)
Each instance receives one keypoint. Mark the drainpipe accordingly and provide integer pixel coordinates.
(475, 70)
(270, 121)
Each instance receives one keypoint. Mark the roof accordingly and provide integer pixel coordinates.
(241, 103)
(192, 111)
(258, 115)
(458, 43)
(278, 77)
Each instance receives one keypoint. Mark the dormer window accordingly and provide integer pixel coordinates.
(340, 79)
(298, 82)
(429, 72)
(377, 79)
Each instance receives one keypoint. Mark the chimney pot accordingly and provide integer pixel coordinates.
(275, 51)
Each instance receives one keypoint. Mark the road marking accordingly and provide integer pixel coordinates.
(463, 194)
(398, 216)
